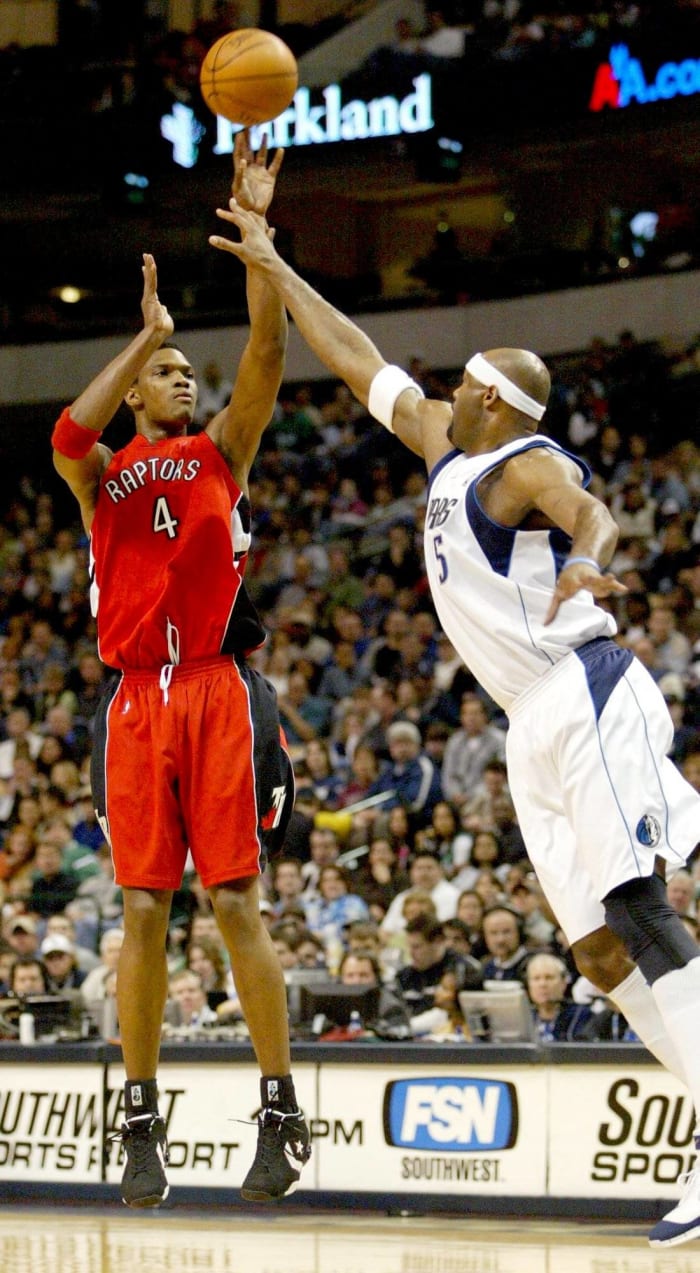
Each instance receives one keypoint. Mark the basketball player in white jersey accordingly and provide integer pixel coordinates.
(516, 551)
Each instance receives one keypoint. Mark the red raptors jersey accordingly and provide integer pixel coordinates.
(169, 544)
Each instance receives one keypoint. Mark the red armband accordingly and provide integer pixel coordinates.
(71, 439)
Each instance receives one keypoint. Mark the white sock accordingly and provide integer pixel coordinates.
(677, 995)
(637, 1003)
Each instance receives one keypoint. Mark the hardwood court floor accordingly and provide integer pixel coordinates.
(62, 1240)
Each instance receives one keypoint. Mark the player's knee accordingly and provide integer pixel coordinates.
(236, 905)
(603, 959)
(639, 913)
(146, 915)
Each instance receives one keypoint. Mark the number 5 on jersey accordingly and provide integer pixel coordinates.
(441, 558)
(163, 518)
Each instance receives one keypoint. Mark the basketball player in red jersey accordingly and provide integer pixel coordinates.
(187, 750)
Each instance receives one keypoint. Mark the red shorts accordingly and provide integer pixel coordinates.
(198, 765)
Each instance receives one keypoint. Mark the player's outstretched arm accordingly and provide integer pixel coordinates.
(76, 456)
(342, 346)
(237, 430)
(550, 483)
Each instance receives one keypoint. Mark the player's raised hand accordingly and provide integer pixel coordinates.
(253, 180)
(255, 246)
(580, 575)
(154, 314)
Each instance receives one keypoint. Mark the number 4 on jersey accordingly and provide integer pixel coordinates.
(163, 518)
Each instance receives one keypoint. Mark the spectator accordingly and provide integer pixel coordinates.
(429, 959)
(399, 826)
(18, 732)
(426, 874)
(22, 935)
(302, 714)
(52, 888)
(410, 778)
(326, 783)
(557, 1019)
(470, 911)
(489, 887)
(673, 650)
(287, 884)
(17, 859)
(341, 676)
(507, 954)
(63, 925)
(478, 812)
(634, 511)
(185, 989)
(401, 561)
(28, 976)
(539, 925)
(364, 771)
(324, 849)
(214, 393)
(361, 968)
(469, 750)
(486, 852)
(335, 907)
(76, 858)
(383, 656)
(206, 957)
(310, 952)
(444, 1022)
(94, 986)
(380, 878)
(444, 837)
(285, 940)
(59, 957)
(457, 936)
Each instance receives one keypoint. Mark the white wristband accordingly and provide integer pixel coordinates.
(582, 561)
(386, 387)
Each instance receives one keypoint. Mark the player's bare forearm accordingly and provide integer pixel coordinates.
(96, 405)
(268, 320)
(595, 532)
(593, 541)
(237, 429)
(340, 345)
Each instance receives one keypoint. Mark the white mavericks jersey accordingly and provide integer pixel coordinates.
(492, 585)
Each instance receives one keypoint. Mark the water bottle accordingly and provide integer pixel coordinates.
(26, 1028)
(355, 1023)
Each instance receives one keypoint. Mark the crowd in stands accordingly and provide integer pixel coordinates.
(403, 849)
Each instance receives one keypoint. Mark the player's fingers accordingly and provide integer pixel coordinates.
(234, 213)
(614, 585)
(262, 151)
(276, 161)
(225, 245)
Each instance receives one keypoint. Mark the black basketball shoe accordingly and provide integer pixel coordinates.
(144, 1182)
(283, 1148)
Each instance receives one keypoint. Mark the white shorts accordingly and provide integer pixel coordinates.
(596, 796)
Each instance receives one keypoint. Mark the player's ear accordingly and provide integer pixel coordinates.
(133, 398)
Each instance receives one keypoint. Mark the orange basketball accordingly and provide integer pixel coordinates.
(248, 76)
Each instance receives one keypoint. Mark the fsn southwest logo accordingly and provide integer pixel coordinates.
(449, 1115)
(622, 80)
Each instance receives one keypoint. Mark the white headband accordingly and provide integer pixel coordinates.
(482, 370)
